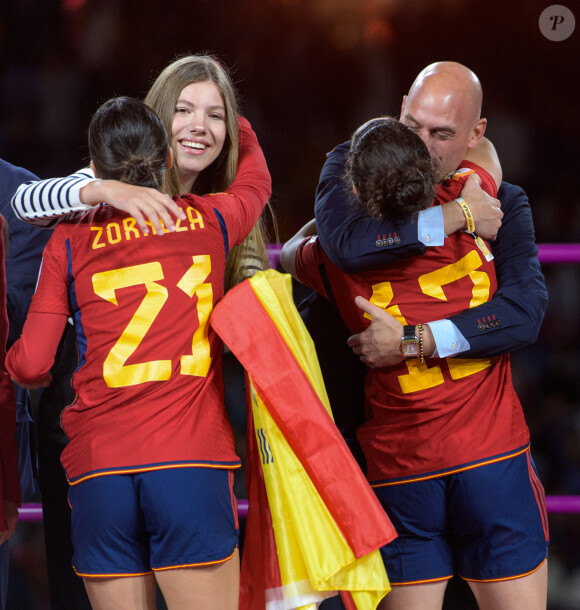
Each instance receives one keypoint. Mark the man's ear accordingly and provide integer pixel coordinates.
(403, 105)
(169, 163)
(477, 133)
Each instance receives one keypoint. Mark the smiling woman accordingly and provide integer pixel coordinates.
(196, 101)
(198, 130)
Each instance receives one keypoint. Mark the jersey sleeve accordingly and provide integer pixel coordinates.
(243, 202)
(487, 182)
(353, 241)
(48, 202)
(450, 187)
(32, 356)
(309, 258)
(51, 295)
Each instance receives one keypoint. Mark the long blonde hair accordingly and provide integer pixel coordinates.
(250, 256)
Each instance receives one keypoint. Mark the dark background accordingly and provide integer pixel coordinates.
(308, 73)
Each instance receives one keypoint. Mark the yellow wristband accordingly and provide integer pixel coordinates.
(468, 214)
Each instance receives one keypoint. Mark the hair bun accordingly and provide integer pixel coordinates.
(140, 170)
(391, 169)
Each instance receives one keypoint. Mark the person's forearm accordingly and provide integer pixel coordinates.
(253, 183)
(96, 191)
(46, 202)
(351, 240)
(428, 341)
(453, 218)
(29, 360)
(290, 248)
(483, 209)
(512, 319)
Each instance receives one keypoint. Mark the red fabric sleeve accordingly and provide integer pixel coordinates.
(243, 202)
(51, 295)
(9, 483)
(487, 182)
(309, 257)
(31, 357)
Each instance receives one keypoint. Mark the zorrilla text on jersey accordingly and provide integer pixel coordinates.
(116, 231)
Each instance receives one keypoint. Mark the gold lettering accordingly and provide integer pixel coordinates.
(178, 226)
(129, 225)
(153, 231)
(96, 243)
(116, 237)
(194, 221)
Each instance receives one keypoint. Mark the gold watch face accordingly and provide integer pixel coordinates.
(410, 349)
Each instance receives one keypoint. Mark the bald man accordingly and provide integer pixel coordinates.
(443, 107)
(501, 555)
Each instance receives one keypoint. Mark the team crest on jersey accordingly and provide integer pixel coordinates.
(459, 174)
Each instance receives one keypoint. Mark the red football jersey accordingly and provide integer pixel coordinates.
(446, 414)
(149, 383)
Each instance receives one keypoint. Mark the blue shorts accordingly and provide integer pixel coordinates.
(131, 524)
(484, 524)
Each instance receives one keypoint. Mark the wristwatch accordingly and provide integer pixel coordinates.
(410, 343)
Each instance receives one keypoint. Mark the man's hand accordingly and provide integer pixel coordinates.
(378, 345)
(142, 203)
(11, 509)
(485, 209)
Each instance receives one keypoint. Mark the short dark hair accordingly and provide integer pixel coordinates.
(391, 169)
(127, 142)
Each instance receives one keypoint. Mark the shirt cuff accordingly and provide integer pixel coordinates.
(74, 194)
(430, 226)
(449, 342)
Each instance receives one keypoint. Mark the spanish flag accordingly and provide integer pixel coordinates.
(314, 524)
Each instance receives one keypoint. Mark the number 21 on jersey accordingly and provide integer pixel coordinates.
(116, 372)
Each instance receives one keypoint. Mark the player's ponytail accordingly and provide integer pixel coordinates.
(128, 142)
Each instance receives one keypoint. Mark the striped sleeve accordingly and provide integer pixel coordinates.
(47, 202)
